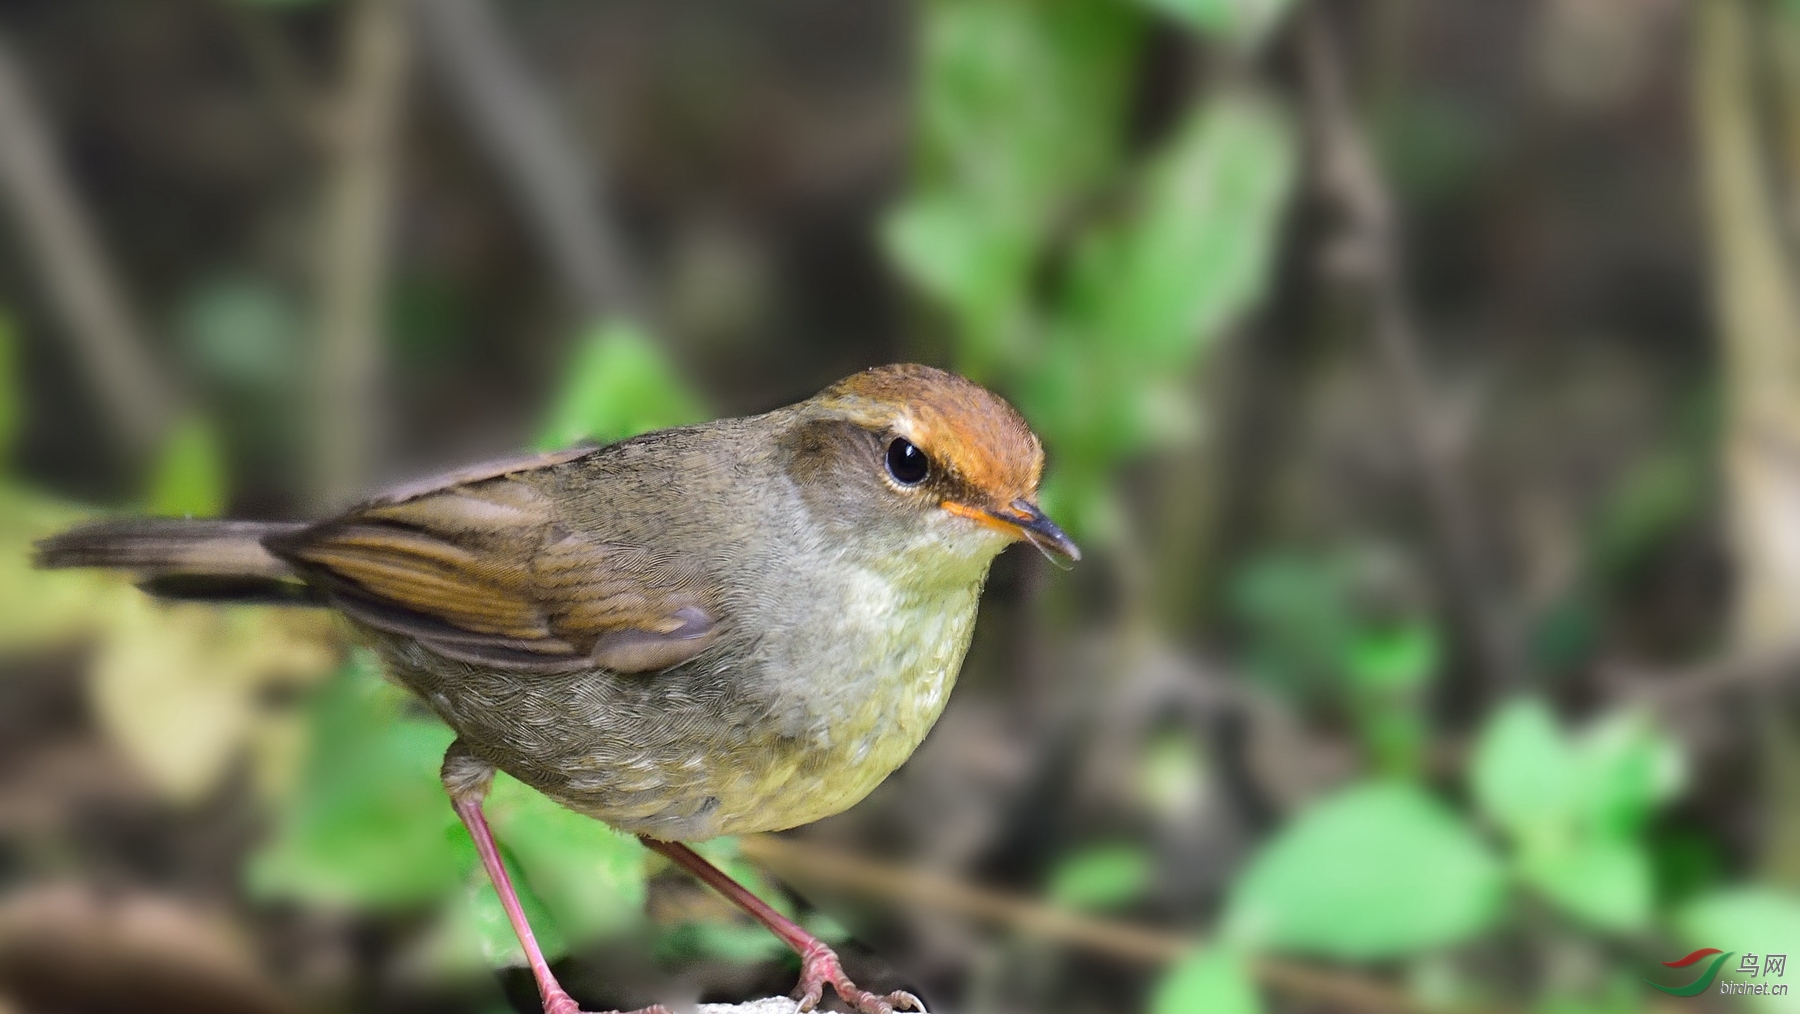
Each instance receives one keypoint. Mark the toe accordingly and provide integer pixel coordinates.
(810, 995)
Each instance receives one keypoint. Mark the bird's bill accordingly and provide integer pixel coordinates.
(1021, 520)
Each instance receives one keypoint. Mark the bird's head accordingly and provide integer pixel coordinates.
(912, 456)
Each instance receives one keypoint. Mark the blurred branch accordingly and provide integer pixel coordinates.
(83, 290)
(353, 251)
(804, 862)
(1758, 327)
(554, 184)
(1349, 179)
(1757, 320)
(1674, 692)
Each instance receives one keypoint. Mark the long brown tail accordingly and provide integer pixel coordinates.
(179, 558)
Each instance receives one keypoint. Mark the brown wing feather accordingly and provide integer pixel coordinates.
(479, 567)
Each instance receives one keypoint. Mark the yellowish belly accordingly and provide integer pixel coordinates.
(811, 778)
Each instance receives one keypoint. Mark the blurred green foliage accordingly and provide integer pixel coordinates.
(1087, 271)
(241, 334)
(1211, 981)
(1766, 917)
(1574, 810)
(1243, 22)
(1336, 627)
(1022, 178)
(369, 824)
(1377, 871)
(189, 477)
(1100, 877)
(370, 828)
(619, 385)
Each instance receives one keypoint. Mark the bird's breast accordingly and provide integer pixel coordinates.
(856, 693)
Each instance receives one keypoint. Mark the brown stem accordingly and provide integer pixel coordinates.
(1758, 324)
(804, 863)
(83, 290)
(1348, 178)
(353, 252)
(555, 184)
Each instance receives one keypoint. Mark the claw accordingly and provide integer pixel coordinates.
(820, 966)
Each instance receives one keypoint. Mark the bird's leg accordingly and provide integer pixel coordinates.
(467, 779)
(818, 963)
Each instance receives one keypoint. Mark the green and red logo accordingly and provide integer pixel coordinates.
(1704, 980)
(1750, 966)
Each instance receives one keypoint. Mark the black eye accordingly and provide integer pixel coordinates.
(907, 464)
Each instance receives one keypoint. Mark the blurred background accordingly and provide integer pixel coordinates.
(1421, 379)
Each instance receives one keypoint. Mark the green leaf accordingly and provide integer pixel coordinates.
(1297, 613)
(1195, 252)
(1211, 981)
(733, 939)
(1394, 658)
(1611, 992)
(590, 876)
(1523, 769)
(1574, 808)
(973, 263)
(1098, 878)
(189, 477)
(732, 942)
(1021, 102)
(479, 908)
(1021, 106)
(1246, 22)
(619, 385)
(1377, 871)
(1147, 292)
(1751, 919)
(371, 827)
(369, 824)
(1628, 767)
(1602, 881)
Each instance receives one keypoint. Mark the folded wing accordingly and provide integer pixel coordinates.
(479, 567)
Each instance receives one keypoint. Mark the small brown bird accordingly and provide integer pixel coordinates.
(739, 626)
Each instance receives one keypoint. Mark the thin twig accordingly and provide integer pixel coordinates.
(1675, 692)
(1349, 179)
(83, 289)
(808, 863)
(555, 184)
(353, 251)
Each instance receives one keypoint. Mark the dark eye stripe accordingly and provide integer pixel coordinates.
(906, 463)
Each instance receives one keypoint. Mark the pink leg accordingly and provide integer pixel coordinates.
(818, 963)
(556, 999)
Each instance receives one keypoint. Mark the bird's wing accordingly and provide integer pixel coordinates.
(478, 566)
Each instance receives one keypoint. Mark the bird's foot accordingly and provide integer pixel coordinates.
(560, 1002)
(819, 965)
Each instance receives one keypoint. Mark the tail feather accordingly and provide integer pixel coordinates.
(180, 558)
